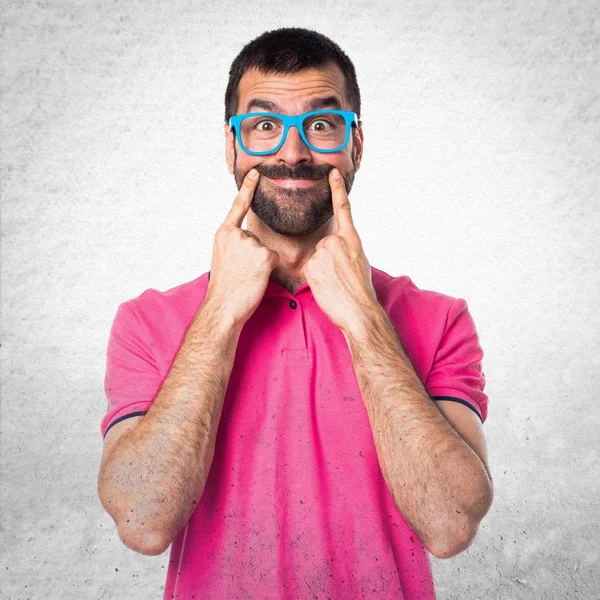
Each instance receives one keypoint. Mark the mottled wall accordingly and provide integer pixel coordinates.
(480, 179)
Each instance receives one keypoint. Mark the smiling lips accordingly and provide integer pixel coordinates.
(295, 182)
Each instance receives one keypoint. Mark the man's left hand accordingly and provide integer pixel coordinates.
(338, 272)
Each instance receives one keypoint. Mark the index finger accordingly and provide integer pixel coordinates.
(341, 204)
(242, 201)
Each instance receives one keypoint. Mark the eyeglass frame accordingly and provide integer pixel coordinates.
(296, 121)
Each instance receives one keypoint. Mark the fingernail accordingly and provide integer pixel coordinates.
(253, 173)
(336, 174)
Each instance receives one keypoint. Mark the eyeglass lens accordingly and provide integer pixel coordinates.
(324, 131)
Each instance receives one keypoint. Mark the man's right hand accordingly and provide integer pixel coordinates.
(241, 265)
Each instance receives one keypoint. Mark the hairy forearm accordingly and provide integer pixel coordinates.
(437, 481)
(155, 475)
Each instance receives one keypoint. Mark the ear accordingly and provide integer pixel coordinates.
(358, 145)
(229, 144)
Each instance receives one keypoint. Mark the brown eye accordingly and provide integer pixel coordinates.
(265, 126)
(320, 125)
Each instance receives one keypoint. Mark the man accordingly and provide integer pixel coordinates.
(295, 423)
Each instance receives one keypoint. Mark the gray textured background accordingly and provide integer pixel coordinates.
(480, 180)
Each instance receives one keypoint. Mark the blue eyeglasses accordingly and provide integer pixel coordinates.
(261, 133)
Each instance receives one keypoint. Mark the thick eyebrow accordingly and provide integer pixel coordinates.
(329, 102)
(314, 104)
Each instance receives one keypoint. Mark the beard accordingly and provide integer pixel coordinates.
(288, 211)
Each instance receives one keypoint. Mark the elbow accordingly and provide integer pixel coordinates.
(452, 540)
(138, 538)
(134, 536)
(149, 543)
(451, 544)
(456, 539)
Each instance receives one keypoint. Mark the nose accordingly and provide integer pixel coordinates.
(293, 150)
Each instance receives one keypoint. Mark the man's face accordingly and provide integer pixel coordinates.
(293, 196)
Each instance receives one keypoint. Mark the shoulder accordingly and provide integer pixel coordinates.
(182, 301)
(399, 294)
(159, 319)
(421, 317)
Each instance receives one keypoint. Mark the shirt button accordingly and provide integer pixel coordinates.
(293, 304)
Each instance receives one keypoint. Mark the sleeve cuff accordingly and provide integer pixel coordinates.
(455, 399)
(130, 410)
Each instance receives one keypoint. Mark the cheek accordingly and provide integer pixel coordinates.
(347, 164)
(241, 163)
(246, 162)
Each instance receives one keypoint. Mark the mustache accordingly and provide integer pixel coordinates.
(301, 172)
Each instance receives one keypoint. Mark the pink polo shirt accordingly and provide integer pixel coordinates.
(295, 505)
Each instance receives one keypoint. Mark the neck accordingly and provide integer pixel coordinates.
(293, 251)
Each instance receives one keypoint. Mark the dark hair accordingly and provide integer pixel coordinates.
(289, 50)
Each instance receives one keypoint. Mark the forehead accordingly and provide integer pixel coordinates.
(292, 91)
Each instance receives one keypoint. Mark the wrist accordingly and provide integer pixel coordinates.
(219, 319)
(367, 320)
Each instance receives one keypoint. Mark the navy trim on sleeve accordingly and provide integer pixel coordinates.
(458, 400)
(135, 414)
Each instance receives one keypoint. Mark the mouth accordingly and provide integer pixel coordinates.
(295, 183)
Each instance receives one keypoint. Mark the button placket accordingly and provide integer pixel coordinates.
(297, 332)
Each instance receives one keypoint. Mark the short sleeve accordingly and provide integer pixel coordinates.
(456, 373)
(132, 379)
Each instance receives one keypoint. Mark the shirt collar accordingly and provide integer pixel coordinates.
(275, 289)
